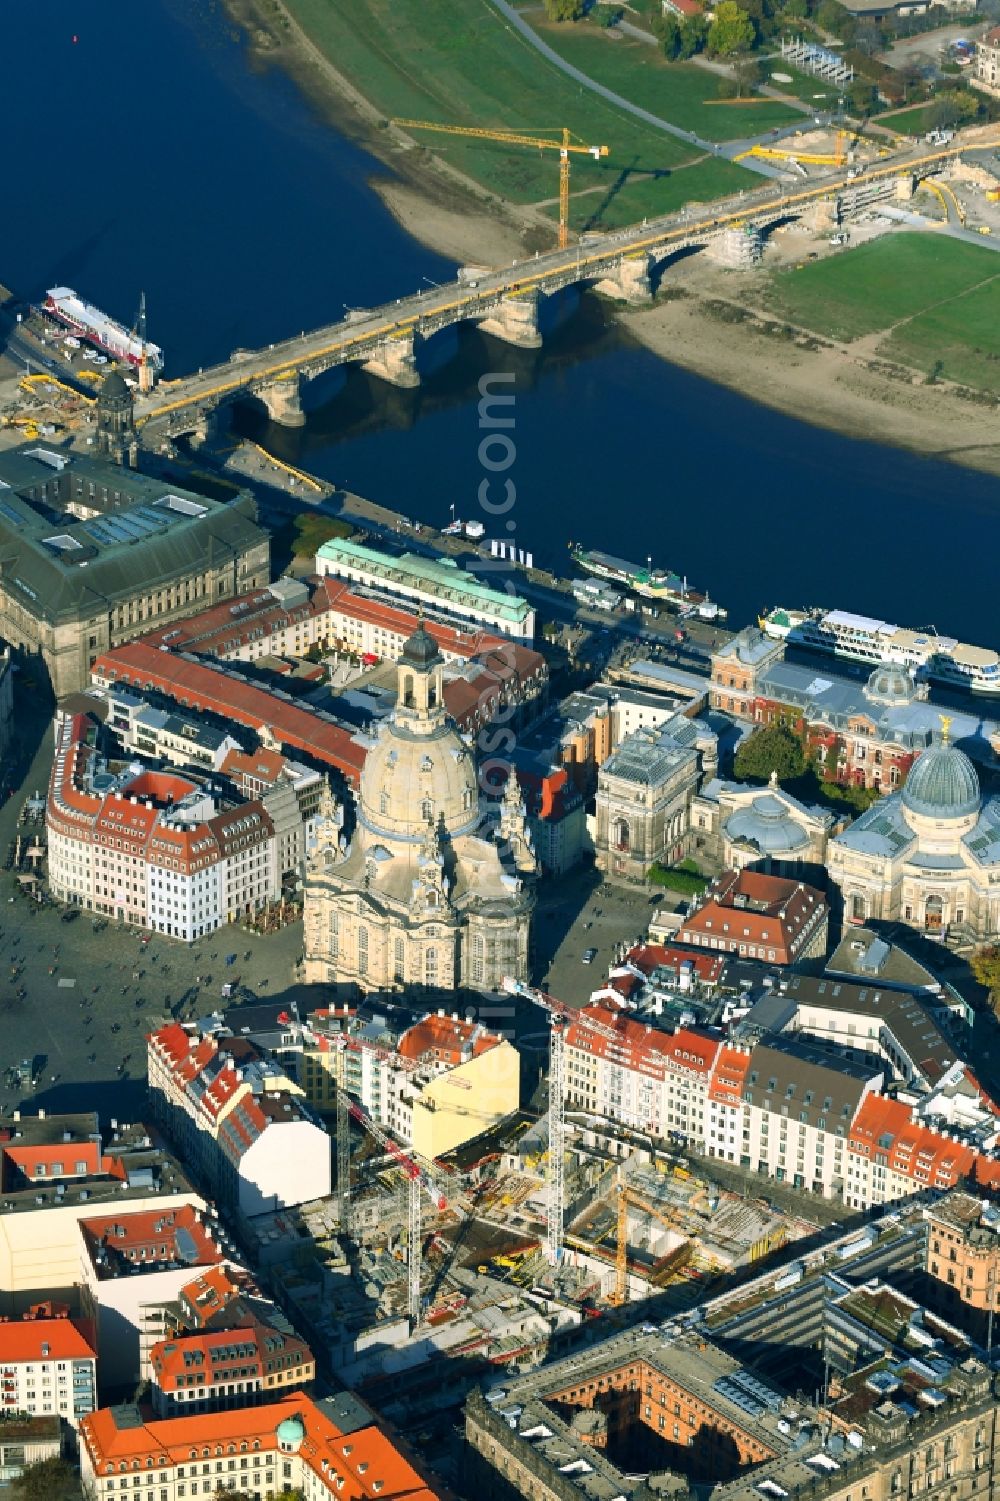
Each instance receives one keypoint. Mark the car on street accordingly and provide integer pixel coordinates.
(589, 955)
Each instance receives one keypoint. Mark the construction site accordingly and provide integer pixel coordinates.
(415, 1276)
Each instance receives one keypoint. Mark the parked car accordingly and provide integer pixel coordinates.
(589, 955)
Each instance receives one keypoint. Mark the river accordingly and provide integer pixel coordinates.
(152, 153)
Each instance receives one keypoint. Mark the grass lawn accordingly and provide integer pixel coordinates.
(675, 91)
(911, 122)
(963, 335)
(898, 276)
(803, 86)
(458, 62)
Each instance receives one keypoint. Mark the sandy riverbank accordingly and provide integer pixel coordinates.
(842, 387)
(437, 205)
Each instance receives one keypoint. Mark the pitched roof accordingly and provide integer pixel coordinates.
(256, 1348)
(359, 1458)
(42, 1339)
(195, 683)
(149, 1237)
(929, 1158)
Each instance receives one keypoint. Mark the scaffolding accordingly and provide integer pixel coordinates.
(820, 62)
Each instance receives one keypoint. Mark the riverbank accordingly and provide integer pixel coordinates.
(844, 388)
(436, 204)
(701, 322)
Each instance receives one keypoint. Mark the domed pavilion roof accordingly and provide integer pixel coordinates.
(114, 389)
(766, 823)
(942, 783)
(420, 650)
(890, 685)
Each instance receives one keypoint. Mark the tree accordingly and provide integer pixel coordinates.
(694, 32)
(49, 1480)
(834, 17)
(607, 15)
(564, 10)
(985, 965)
(747, 73)
(868, 37)
(861, 96)
(731, 31)
(774, 749)
(796, 10)
(954, 108)
(667, 30)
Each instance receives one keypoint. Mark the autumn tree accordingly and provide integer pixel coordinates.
(732, 31)
(985, 965)
(48, 1480)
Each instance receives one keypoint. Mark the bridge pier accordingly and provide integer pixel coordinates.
(629, 280)
(283, 399)
(515, 320)
(396, 361)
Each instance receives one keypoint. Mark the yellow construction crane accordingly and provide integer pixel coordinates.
(565, 147)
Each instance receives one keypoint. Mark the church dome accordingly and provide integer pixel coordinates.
(942, 784)
(891, 686)
(410, 780)
(767, 824)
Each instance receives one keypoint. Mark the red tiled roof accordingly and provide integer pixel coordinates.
(640, 1046)
(203, 687)
(448, 1040)
(208, 1294)
(730, 1070)
(360, 1460)
(42, 1339)
(912, 1149)
(650, 956)
(744, 909)
(146, 1236)
(256, 1348)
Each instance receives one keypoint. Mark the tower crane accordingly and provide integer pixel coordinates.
(560, 1016)
(565, 147)
(627, 1196)
(417, 1178)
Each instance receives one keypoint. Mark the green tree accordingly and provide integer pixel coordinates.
(694, 32)
(564, 10)
(667, 30)
(834, 17)
(956, 107)
(731, 31)
(860, 96)
(775, 749)
(796, 10)
(607, 15)
(49, 1480)
(985, 965)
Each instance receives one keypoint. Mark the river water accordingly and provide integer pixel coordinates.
(153, 154)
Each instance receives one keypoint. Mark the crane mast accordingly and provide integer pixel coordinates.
(343, 1137)
(417, 1178)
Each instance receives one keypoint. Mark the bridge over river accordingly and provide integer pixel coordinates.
(505, 302)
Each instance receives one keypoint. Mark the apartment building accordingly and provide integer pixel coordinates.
(241, 1365)
(963, 1249)
(47, 1366)
(56, 1170)
(155, 848)
(238, 1119)
(759, 916)
(132, 1266)
(330, 1450)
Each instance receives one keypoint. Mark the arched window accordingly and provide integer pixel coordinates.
(430, 966)
(432, 696)
(426, 810)
(858, 905)
(399, 961)
(383, 802)
(408, 699)
(334, 934)
(466, 799)
(362, 950)
(621, 835)
(478, 955)
(934, 914)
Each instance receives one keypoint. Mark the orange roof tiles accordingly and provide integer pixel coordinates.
(146, 1236)
(63, 1159)
(731, 1067)
(910, 1148)
(208, 1294)
(649, 956)
(348, 1465)
(747, 909)
(638, 1045)
(210, 1356)
(446, 1039)
(42, 1339)
(201, 686)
